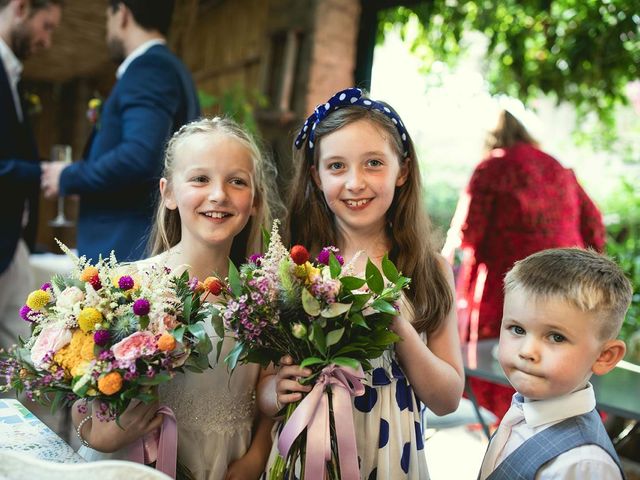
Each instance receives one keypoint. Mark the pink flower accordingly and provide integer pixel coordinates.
(51, 338)
(135, 346)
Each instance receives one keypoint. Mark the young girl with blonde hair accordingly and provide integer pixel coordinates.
(357, 187)
(216, 193)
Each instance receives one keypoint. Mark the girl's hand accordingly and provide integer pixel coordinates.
(288, 388)
(136, 421)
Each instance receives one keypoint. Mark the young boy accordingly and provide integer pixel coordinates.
(563, 309)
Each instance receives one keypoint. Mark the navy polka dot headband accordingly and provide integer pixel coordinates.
(346, 98)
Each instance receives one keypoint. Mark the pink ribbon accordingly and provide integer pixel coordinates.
(160, 446)
(313, 414)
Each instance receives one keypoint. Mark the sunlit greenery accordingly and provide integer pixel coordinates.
(580, 51)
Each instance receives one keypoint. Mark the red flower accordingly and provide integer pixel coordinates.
(299, 255)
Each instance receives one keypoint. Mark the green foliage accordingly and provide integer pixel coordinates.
(582, 52)
(237, 103)
(623, 245)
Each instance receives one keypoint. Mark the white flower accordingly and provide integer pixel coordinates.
(69, 297)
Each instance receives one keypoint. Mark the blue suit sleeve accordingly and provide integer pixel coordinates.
(149, 98)
(16, 170)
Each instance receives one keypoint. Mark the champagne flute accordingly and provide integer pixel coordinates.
(61, 153)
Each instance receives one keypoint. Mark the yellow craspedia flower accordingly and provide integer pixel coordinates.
(38, 299)
(111, 383)
(94, 103)
(313, 273)
(75, 356)
(88, 273)
(88, 318)
(300, 271)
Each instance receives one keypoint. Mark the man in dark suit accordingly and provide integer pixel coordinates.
(154, 96)
(25, 27)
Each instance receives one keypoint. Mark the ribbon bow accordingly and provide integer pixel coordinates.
(160, 446)
(345, 98)
(313, 414)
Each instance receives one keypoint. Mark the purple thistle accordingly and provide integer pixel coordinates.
(45, 286)
(24, 313)
(125, 282)
(141, 307)
(101, 337)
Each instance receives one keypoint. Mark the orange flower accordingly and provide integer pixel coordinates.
(166, 342)
(88, 274)
(213, 285)
(111, 383)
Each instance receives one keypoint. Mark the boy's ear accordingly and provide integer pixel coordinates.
(404, 172)
(167, 194)
(611, 353)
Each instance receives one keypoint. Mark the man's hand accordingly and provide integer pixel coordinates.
(50, 180)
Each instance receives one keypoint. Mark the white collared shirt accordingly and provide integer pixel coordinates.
(141, 50)
(13, 67)
(587, 461)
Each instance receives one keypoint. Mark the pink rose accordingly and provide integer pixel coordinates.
(135, 346)
(51, 338)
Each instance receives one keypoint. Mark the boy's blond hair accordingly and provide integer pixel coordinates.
(591, 282)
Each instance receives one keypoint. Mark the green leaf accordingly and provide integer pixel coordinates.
(143, 321)
(383, 306)
(318, 339)
(346, 362)
(334, 266)
(186, 310)
(58, 400)
(198, 331)
(219, 349)
(374, 278)
(334, 336)
(234, 355)
(310, 304)
(178, 333)
(311, 361)
(159, 378)
(389, 269)
(359, 301)
(358, 319)
(335, 309)
(352, 283)
(234, 280)
(218, 324)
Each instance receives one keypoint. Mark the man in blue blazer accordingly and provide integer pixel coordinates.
(154, 96)
(25, 27)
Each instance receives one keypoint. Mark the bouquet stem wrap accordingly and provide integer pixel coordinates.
(160, 446)
(313, 414)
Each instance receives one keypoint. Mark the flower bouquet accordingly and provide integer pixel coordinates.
(326, 319)
(107, 333)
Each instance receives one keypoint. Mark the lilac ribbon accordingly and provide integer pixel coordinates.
(160, 446)
(313, 414)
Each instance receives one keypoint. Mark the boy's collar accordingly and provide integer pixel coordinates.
(540, 412)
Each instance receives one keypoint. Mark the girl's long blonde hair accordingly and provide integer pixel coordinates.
(310, 221)
(166, 231)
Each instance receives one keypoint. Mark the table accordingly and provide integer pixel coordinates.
(22, 431)
(617, 392)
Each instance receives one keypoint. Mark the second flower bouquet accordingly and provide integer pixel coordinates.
(108, 333)
(326, 319)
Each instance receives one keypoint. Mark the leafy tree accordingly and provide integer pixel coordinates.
(580, 51)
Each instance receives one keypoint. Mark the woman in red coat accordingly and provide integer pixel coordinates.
(519, 201)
